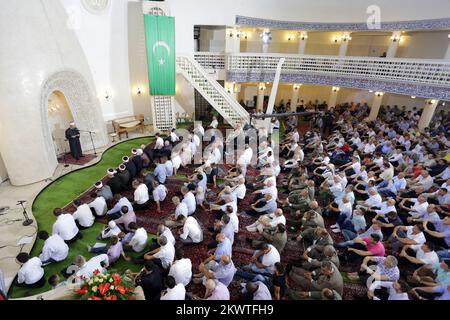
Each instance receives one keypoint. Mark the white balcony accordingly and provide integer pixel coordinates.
(419, 77)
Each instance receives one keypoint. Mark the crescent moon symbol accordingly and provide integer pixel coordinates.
(161, 44)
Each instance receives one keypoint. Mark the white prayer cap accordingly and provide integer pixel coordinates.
(125, 159)
(122, 167)
(134, 152)
(99, 184)
(72, 123)
(111, 171)
(112, 224)
(139, 152)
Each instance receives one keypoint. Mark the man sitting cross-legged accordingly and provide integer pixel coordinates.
(327, 277)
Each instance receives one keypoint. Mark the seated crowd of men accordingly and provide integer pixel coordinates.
(370, 199)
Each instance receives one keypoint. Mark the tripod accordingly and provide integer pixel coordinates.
(27, 221)
(92, 139)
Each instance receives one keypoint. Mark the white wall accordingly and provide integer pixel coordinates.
(184, 98)
(137, 59)
(426, 45)
(104, 39)
(36, 46)
(212, 39)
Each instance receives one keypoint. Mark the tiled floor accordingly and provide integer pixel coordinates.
(11, 229)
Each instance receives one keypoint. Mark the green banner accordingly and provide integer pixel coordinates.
(160, 40)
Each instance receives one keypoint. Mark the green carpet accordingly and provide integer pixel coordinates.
(62, 192)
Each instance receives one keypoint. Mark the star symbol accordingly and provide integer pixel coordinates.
(162, 61)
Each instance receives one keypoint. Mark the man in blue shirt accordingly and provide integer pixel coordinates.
(116, 212)
(160, 173)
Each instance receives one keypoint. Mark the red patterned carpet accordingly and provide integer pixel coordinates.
(68, 159)
(242, 251)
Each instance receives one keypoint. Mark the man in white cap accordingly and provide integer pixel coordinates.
(130, 166)
(114, 182)
(137, 159)
(125, 177)
(104, 191)
(73, 136)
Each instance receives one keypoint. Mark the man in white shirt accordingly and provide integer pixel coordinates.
(374, 200)
(98, 206)
(397, 290)
(31, 274)
(159, 144)
(164, 255)
(407, 235)
(214, 123)
(174, 291)
(424, 180)
(181, 209)
(86, 269)
(419, 255)
(189, 200)
(270, 188)
(141, 196)
(240, 189)
(269, 221)
(385, 208)
(54, 250)
(181, 269)
(139, 240)
(66, 227)
(263, 260)
(199, 129)
(83, 215)
(191, 231)
(159, 194)
(173, 136)
(419, 206)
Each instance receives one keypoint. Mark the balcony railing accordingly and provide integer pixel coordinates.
(419, 77)
(210, 60)
(414, 71)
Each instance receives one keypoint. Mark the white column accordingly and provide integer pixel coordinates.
(447, 54)
(265, 48)
(333, 97)
(261, 94)
(376, 104)
(427, 113)
(345, 39)
(295, 96)
(303, 38)
(393, 44)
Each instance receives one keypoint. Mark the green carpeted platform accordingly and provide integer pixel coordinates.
(62, 192)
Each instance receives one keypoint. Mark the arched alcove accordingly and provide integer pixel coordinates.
(83, 106)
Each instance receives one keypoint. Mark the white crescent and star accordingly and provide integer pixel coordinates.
(165, 46)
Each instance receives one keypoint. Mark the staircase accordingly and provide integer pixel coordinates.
(212, 91)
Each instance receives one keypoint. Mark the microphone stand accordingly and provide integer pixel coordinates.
(92, 139)
(27, 221)
(65, 154)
